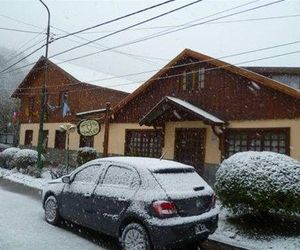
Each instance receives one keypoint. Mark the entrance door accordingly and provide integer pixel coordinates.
(190, 147)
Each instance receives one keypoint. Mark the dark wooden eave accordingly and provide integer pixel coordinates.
(175, 109)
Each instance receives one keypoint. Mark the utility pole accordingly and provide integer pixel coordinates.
(43, 97)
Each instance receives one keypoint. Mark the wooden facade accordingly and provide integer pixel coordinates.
(226, 95)
(231, 94)
(61, 87)
(80, 96)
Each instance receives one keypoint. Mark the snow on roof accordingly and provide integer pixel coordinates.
(94, 77)
(144, 162)
(91, 112)
(195, 109)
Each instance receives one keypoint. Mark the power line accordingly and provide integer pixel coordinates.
(136, 56)
(19, 21)
(128, 27)
(23, 58)
(221, 22)
(16, 54)
(176, 75)
(169, 32)
(116, 19)
(182, 65)
(109, 49)
(18, 30)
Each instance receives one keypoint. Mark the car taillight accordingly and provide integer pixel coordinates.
(164, 208)
(213, 201)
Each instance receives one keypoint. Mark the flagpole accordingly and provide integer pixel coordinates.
(43, 96)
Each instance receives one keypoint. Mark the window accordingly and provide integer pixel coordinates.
(147, 143)
(60, 139)
(89, 174)
(200, 80)
(86, 141)
(120, 176)
(193, 80)
(28, 137)
(275, 140)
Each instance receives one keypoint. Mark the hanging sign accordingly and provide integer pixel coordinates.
(88, 127)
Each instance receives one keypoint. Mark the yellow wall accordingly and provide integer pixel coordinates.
(212, 152)
(294, 126)
(117, 138)
(52, 127)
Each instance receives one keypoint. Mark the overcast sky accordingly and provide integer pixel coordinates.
(214, 39)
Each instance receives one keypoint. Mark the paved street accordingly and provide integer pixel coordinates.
(23, 228)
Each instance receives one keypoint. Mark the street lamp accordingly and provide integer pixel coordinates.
(68, 128)
(43, 96)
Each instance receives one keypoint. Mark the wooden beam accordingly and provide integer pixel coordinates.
(106, 130)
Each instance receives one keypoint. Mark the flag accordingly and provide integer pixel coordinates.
(66, 109)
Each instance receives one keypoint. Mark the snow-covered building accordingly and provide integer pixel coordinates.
(67, 93)
(199, 110)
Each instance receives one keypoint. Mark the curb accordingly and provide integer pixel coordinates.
(20, 188)
(212, 244)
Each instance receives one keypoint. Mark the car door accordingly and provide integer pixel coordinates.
(77, 196)
(113, 196)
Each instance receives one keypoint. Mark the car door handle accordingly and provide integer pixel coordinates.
(122, 199)
(87, 195)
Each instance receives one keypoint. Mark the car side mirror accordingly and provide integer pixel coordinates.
(66, 179)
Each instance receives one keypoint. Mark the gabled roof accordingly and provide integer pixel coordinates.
(75, 73)
(218, 63)
(166, 104)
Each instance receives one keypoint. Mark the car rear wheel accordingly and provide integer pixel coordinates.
(51, 210)
(135, 237)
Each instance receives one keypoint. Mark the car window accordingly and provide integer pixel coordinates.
(89, 174)
(121, 176)
(174, 180)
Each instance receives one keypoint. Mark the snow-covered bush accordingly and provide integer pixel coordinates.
(86, 154)
(3, 147)
(259, 182)
(6, 157)
(25, 158)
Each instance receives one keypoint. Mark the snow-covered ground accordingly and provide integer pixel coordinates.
(27, 180)
(23, 227)
(226, 232)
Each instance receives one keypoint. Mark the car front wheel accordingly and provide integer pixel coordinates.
(51, 210)
(135, 237)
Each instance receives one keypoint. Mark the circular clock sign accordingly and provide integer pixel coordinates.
(88, 127)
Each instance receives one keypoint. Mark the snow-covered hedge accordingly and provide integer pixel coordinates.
(6, 157)
(25, 158)
(3, 147)
(259, 182)
(86, 154)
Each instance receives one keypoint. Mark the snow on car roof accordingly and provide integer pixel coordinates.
(152, 164)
